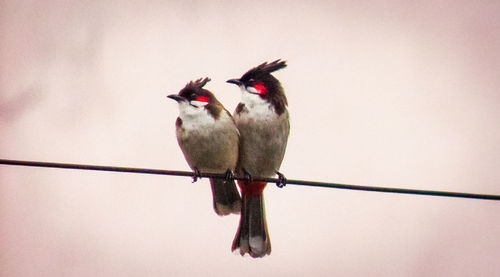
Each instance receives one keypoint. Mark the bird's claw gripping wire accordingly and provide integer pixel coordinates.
(247, 176)
(197, 175)
(281, 180)
(229, 176)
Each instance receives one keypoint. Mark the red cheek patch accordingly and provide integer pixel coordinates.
(260, 88)
(201, 98)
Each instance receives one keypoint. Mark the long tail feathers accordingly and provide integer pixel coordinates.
(227, 200)
(252, 236)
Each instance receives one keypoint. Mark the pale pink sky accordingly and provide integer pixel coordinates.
(393, 93)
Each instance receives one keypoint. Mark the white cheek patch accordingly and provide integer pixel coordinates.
(198, 103)
(187, 110)
(252, 90)
(251, 99)
(257, 107)
(194, 117)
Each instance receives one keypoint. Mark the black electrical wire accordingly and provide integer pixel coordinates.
(269, 180)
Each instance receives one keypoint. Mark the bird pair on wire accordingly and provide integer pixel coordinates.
(251, 142)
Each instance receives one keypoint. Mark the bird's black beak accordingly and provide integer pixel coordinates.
(235, 81)
(176, 97)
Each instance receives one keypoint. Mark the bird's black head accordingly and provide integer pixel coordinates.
(194, 91)
(259, 80)
(197, 97)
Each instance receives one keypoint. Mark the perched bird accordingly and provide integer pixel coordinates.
(263, 121)
(209, 139)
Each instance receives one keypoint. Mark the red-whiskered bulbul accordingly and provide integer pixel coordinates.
(263, 121)
(209, 140)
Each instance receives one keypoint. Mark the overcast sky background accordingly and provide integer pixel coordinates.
(393, 93)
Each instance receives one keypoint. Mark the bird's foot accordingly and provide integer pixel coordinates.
(197, 175)
(229, 175)
(248, 177)
(281, 180)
